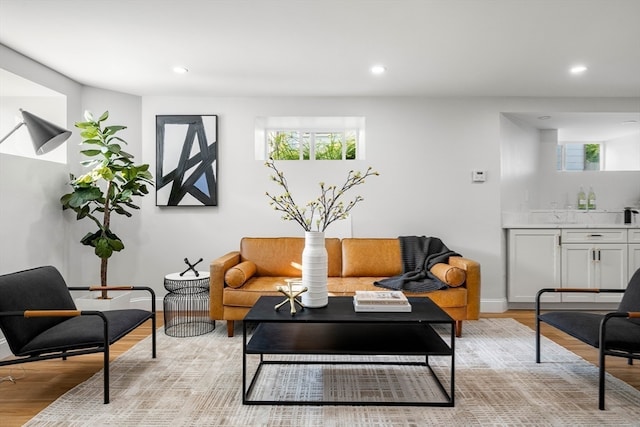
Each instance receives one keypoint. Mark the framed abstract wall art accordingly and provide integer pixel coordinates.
(186, 160)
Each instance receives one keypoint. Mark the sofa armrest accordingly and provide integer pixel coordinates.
(472, 283)
(217, 270)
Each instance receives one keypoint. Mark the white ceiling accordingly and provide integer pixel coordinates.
(326, 47)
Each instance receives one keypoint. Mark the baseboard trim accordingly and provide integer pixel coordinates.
(498, 305)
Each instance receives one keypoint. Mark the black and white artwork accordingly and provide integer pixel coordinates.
(186, 160)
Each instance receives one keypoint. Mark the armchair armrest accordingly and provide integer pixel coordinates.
(574, 290)
(217, 270)
(52, 313)
(586, 290)
(603, 331)
(472, 283)
(119, 288)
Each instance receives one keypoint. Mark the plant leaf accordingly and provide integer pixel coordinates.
(91, 153)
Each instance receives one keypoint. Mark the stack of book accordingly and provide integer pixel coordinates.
(393, 301)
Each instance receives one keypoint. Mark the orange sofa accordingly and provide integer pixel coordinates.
(239, 278)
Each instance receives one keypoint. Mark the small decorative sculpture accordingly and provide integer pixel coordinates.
(192, 267)
(291, 295)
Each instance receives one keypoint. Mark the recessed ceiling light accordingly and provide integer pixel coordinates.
(578, 69)
(180, 70)
(544, 117)
(630, 122)
(378, 69)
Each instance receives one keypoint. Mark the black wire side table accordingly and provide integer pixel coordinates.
(186, 306)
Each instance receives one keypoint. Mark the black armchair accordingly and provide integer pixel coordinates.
(614, 334)
(40, 321)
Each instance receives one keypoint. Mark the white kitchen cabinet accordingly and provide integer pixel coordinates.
(588, 265)
(534, 263)
(594, 258)
(571, 258)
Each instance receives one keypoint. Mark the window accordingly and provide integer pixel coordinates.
(305, 145)
(310, 138)
(578, 157)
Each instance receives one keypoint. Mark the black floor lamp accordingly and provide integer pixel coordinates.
(45, 135)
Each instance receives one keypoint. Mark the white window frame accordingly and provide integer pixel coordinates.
(312, 126)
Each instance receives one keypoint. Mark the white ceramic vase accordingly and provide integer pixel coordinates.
(314, 270)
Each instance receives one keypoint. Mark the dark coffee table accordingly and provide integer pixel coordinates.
(338, 330)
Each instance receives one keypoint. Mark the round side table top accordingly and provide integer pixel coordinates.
(189, 275)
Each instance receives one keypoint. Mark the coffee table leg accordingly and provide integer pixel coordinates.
(244, 363)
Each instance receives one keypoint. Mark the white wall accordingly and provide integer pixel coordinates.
(622, 153)
(32, 230)
(520, 163)
(423, 153)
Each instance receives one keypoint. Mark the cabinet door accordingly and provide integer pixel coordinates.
(611, 268)
(634, 259)
(578, 271)
(534, 263)
(589, 266)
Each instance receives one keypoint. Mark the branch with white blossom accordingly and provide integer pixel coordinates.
(327, 206)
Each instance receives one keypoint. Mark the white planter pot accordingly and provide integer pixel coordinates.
(314, 270)
(120, 300)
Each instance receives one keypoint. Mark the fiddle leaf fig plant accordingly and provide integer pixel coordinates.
(109, 187)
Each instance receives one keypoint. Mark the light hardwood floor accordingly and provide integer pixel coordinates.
(41, 383)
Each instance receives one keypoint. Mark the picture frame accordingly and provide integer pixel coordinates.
(186, 160)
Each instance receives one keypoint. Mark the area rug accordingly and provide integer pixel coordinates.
(197, 381)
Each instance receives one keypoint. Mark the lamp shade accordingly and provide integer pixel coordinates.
(45, 135)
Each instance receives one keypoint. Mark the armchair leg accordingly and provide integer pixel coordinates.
(537, 338)
(458, 328)
(106, 374)
(230, 328)
(601, 379)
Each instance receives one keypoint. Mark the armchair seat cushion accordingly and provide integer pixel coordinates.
(622, 334)
(84, 332)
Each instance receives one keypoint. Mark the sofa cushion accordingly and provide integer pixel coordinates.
(338, 286)
(452, 276)
(448, 297)
(282, 256)
(237, 275)
(371, 257)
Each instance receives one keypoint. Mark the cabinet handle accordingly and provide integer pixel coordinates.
(593, 254)
(595, 235)
(598, 255)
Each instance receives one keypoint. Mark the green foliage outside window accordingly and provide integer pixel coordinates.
(294, 145)
(592, 156)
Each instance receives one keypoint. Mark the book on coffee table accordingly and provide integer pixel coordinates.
(394, 301)
(390, 308)
(381, 297)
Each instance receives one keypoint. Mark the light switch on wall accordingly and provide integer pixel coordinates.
(478, 176)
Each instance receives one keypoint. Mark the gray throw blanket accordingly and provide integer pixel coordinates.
(419, 254)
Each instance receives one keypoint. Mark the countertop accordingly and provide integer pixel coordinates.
(564, 218)
(569, 225)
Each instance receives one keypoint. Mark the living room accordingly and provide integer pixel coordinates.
(425, 139)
